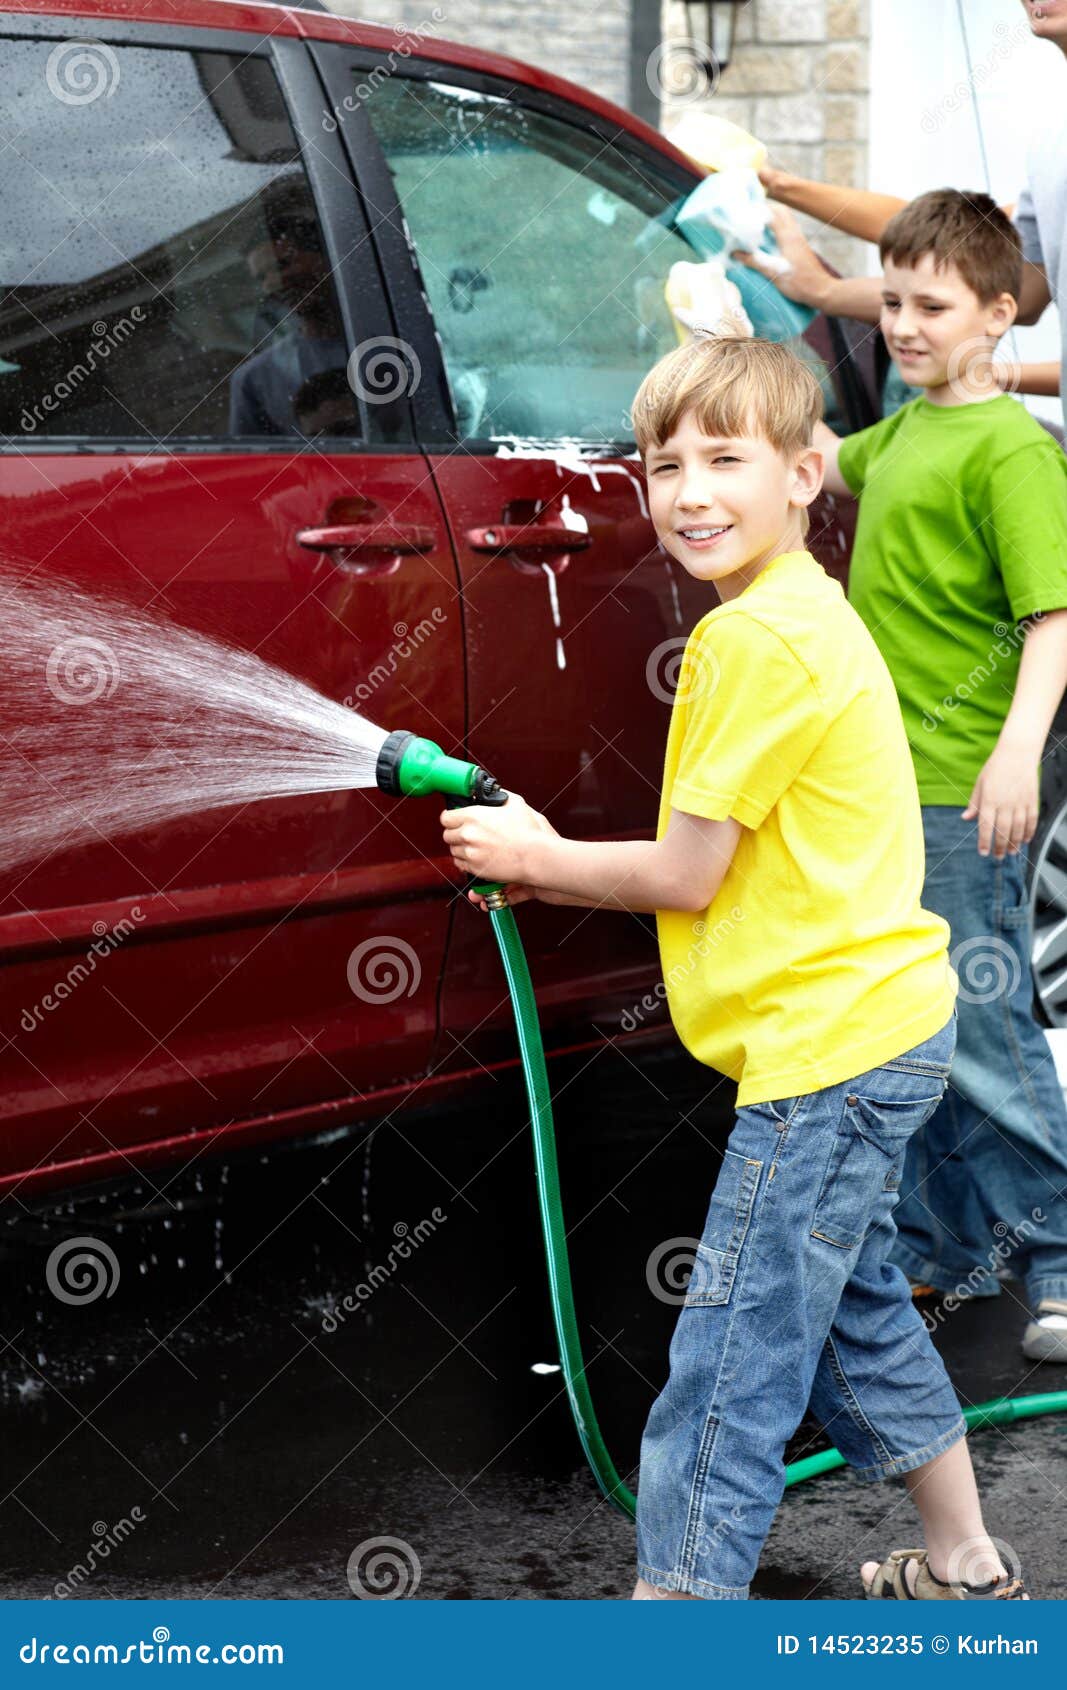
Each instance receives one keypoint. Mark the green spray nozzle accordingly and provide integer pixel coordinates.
(412, 767)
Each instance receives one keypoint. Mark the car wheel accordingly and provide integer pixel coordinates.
(1048, 894)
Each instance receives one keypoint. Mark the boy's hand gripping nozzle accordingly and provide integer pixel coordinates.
(412, 767)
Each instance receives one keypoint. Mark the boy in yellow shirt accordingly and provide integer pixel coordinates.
(789, 824)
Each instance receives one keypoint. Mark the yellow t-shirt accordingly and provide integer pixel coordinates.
(815, 960)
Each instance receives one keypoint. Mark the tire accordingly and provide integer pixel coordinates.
(1048, 887)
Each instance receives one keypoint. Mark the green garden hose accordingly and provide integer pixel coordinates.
(995, 1413)
(551, 1204)
(409, 765)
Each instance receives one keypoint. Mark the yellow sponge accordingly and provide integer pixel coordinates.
(716, 143)
(702, 300)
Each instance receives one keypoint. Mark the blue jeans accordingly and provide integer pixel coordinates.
(985, 1181)
(792, 1302)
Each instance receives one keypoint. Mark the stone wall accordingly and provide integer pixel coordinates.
(799, 79)
(585, 40)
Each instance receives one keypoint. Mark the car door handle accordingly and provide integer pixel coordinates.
(528, 540)
(359, 537)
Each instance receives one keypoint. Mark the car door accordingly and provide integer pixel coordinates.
(194, 423)
(528, 246)
(573, 616)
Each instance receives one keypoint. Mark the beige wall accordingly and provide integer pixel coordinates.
(799, 77)
(799, 80)
(585, 40)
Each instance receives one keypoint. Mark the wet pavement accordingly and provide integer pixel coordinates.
(273, 1384)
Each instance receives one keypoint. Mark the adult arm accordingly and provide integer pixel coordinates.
(855, 211)
(1034, 295)
(1029, 378)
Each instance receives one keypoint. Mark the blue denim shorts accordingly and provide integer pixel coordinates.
(792, 1303)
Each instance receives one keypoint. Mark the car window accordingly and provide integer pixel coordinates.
(545, 251)
(162, 266)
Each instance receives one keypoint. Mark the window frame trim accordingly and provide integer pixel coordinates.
(435, 423)
(434, 419)
(358, 278)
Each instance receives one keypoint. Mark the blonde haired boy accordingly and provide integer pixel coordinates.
(788, 792)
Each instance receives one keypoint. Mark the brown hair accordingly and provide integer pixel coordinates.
(965, 230)
(736, 387)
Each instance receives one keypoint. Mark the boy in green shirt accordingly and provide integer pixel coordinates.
(959, 570)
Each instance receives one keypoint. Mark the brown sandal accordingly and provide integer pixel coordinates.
(890, 1581)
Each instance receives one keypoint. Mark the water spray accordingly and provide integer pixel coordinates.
(170, 722)
(409, 766)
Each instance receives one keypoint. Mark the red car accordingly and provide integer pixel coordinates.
(320, 338)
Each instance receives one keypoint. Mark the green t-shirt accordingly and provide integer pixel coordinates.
(962, 532)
